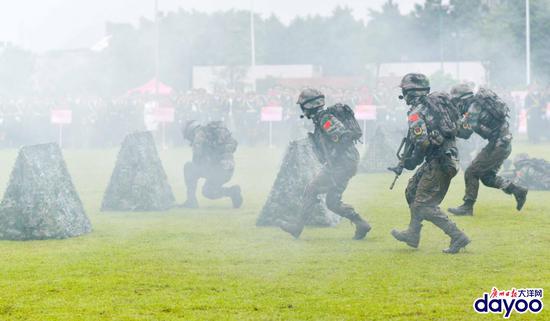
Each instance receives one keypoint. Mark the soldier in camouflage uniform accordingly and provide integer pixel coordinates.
(431, 140)
(334, 142)
(213, 148)
(534, 173)
(485, 114)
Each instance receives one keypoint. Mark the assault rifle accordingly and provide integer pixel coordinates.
(404, 152)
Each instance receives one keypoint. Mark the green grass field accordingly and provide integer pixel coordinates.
(214, 264)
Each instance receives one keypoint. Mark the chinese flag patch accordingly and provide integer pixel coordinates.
(327, 125)
(413, 117)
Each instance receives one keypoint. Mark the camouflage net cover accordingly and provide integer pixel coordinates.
(138, 182)
(285, 200)
(41, 201)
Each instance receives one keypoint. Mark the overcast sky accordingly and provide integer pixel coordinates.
(62, 24)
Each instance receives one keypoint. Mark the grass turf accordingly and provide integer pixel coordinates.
(214, 264)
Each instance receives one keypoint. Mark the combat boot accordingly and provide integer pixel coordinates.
(520, 194)
(410, 236)
(466, 209)
(236, 196)
(362, 227)
(459, 240)
(457, 243)
(293, 229)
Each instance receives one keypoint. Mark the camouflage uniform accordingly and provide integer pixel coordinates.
(213, 149)
(533, 173)
(340, 159)
(436, 149)
(478, 118)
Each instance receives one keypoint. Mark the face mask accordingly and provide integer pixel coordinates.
(410, 99)
(307, 113)
(408, 96)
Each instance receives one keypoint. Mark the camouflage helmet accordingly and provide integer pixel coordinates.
(311, 98)
(461, 91)
(189, 129)
(415, 81)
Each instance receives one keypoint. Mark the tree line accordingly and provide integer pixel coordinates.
(492, 32)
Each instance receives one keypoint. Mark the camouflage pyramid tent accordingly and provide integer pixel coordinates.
(40, 201)
(379, 153)
(138, 182)
(285, 199)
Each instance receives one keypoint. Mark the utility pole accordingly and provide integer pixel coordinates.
(440, 16)
(252, 46)
(157, 49)
(527, 43)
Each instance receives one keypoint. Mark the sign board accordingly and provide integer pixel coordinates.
(272, 113)
(164, 115)
(61, 116)
(365, 112)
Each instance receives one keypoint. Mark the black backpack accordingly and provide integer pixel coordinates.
(345, 114)
(446, 114)
(493, 104)
(220, 138)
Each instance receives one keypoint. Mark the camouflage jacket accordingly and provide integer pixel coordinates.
(426, 137)
(477, 119)
(214, 145)
(330, 140)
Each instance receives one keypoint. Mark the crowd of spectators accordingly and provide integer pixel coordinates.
(537, 108)
(101, 122)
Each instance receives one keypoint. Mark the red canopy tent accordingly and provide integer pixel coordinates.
(150, 88)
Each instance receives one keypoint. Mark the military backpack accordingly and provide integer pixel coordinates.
(219, 137)
(492, 104)
(345, 114)
(446, 114)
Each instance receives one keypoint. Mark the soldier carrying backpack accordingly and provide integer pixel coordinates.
(334, 138)
(213, 148)
(431, 151)
(487, 115)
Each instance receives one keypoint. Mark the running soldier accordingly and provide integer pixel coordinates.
(336, 132)
(430, 142)
(487, 115)
(213, 148)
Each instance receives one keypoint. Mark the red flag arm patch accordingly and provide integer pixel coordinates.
(413, 117)
(327, 125)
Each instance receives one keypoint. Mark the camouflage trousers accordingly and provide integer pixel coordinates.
(215, 177)
(485, 168)
(332, 181)
(425, 192)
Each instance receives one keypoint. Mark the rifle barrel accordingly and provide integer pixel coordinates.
(394, 180)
